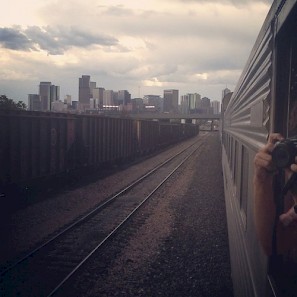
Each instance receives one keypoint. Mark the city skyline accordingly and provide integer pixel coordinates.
(144, 47)
(94, 98)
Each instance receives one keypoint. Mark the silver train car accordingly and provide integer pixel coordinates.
(262, 103)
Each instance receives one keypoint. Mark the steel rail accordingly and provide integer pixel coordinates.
(94, 211)
(121, 224)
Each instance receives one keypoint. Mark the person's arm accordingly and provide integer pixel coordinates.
(264, 207)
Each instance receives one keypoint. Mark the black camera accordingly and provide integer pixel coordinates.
(284, 152)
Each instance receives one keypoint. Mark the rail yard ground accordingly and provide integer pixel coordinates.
(177, 245)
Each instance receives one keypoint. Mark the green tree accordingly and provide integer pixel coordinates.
(6, 103)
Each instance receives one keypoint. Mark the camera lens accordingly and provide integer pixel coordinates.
(283, 154)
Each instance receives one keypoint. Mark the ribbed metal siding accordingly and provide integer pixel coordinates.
(247, 115)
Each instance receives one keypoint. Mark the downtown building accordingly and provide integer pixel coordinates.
(84, 92)
(98, 96)
(91, 98)
(171, 101)
(215, 105)
(124, 97)
(225, 92)
(191, 103)
(206, 106)
(48, 95)
(34, 103)
(153, 103)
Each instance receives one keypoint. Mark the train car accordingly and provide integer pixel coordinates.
(34, 145)
(37, 147)
(103, 140)
(189, 130)
(262, 103)
(146, 135)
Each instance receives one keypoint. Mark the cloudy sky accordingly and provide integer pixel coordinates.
(143, 46)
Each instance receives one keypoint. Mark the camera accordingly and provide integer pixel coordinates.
(284, 152)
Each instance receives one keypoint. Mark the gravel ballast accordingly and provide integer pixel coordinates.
(181, 248)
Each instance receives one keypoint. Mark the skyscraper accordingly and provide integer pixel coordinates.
(205, 104)
(55, 93)
(171, 101)
(34, 102)
(225, 92)
(215, 106)
(45, 95)
(108, 98)
(98, 96)
(48, 94)
(84, 92)
(124, 97)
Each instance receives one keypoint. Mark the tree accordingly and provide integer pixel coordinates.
(6, 103)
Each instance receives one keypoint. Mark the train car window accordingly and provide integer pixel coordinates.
(237, 170)
(231, 155)
(229, 148)
(244, 182)
(235, 161)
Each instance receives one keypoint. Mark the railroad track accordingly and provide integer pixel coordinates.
(46, 269)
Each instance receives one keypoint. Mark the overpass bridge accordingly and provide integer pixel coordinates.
(195, 118)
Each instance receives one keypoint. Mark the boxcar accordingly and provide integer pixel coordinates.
(37, 146)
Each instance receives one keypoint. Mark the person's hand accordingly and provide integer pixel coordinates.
(293, 166)
(289, 217)
(263, 159)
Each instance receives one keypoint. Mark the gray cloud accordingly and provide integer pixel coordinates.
(53, 40)
(13, 38)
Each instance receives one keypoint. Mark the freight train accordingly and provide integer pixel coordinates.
(37, 145)
(262, 103)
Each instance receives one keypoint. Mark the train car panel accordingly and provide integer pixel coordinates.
(263, 102)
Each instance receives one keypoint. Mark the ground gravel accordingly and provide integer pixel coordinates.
(182, 248)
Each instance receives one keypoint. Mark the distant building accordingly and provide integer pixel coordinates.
(67, 100)
(92, 86)
(215, 106)
(34, 102)
(84, 92)
(225, 101)
(137, 104)
(48, 94)
(153, 100)
(205, 106)
(58, 106)
(45, 93)
(98, 96)
(171, 101)
(55, 93)
(74, 105)
(124, 97)
(184, 104)
(108, 98)
(190, 103)
(225, 92)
